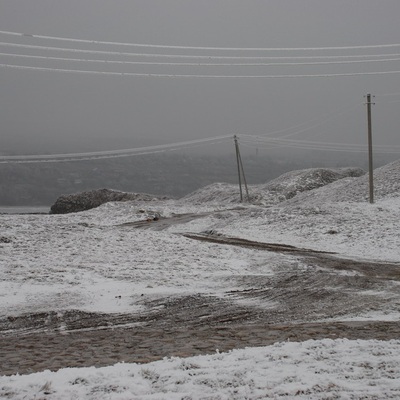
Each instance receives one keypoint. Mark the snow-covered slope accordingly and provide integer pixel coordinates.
(386, 181)
(306, 211)
(280, 189)
(293, 183)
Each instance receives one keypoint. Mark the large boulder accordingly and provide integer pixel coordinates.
(86, 200)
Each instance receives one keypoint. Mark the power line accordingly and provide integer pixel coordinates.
(388, 94)
(251, 138)
(186, 56)
(65, 70)
(311, 142)
(160, 46)
(43, 158)
(319, 123)
(199, 64)
(390, 102)
(255, 141)
(319, 148)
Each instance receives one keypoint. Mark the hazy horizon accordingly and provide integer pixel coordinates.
(44, 111)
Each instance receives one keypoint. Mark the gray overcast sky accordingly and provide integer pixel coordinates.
(61, 112)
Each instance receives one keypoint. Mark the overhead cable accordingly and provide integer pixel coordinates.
(111, 153)
(186, 56)
(387, 94)
(160, 46)
(149, 75)
(318, 122)
(321, 146)
(283, 140)
(305, 144)
(198, 64)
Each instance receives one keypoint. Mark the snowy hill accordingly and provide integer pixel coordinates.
(280, 189)
(303, 211)
(386, 185)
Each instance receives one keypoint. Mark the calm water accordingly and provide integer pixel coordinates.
(24, 210)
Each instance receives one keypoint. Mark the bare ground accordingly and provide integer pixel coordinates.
(298, 302)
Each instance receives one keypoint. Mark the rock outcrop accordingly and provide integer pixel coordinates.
(86, 200)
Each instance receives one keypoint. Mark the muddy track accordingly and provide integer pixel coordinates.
(159, 223)
(232, 241)
(300, 301)
(285, 306)
(143, 344)
(383, 270)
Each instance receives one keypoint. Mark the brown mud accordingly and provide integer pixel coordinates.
(52, 350)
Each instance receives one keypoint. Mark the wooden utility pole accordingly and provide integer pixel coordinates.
(238, 167)
(240, 171)
(370, 162)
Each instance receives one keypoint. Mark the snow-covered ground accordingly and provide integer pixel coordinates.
(323, 369)
(102, 260)
(335, 217)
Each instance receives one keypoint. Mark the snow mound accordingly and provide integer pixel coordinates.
(386, 185)
(214, 193)
(86, 200)
(292, 183)
(280, 189)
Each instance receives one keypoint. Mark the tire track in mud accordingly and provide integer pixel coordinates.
(383, 270)
(191, 325)
(298, 302)
(324, 287)
(159, 223)
(233, 241)
(145, 344)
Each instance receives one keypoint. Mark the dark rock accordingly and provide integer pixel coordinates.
(332, 232)
(86, 200)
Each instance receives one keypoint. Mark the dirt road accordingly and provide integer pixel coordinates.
(54, 350)
(292, 304)
(309, 298)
